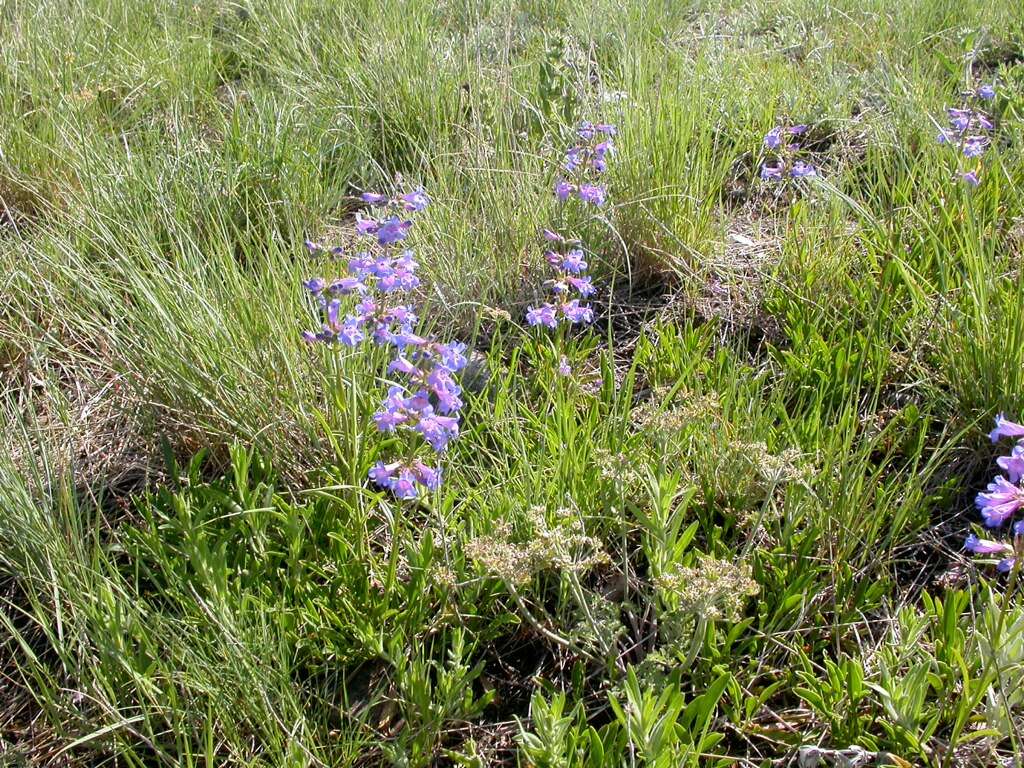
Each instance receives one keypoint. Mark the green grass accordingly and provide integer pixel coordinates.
(736, 531)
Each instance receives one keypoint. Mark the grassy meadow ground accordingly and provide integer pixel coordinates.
(734, 532)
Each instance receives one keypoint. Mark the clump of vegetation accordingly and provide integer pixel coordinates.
(659, 449)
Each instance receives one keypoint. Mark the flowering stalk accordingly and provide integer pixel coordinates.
(969, 133)
(426, 404)
(570, 286)
(1002, 499)
(784, 160)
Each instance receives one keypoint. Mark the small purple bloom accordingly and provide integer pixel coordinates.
(986, 546)
(971, 178)
(1005, 428)
(416, 200)
(796, 130)
(592, 193)
(350, 334)
(574, 312)
(346, 285)
(542, 315)
(315, 285)
(404, 485)
(771, 172)
(606, 128)
(987, 92)
(554, 237)
(974, 146)
(438, 430)
(802, 170)
(564, 369)
(573, 262)
(999, 501)
(309, 337)
(582, 285)
(586, 130)
(382, 473)
(563, 189)
(366, 226)
(1013, 465)
(373, 198)
(428, 477)
(773, 139)
(392, 231)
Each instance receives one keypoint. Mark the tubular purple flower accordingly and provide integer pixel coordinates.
(987, 92)
(416, 200)
(802, 170)
(374, 198)
(999, 502)
(392, 231)
(563, 189)
(773, 139)
(315, 285)
(1005, 428)
(564, 369)
(771, 172)
(542, 315)
(554, 237)
(986, 546)
(428, 477)
(1013, 465)
(971, 178)
(573, 262)
(592, 193)
(974, 146)
(582, 285)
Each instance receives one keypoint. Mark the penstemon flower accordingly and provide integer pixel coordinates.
(1003, 498)
(426, 404)
(969, 132)
(784, 162)
(584, 163)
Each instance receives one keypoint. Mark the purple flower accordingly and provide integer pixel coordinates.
(350, 334)
(984, 122)
(987, 92)
(542, 315)
(773, 139)
(971, 178)
(392, 231)
(373, 198)
(1013, 465)
(554, 237)
(974, 146)
(437, 430)
(428, 477)
(310, 337)
(563, 189)
(592, 193)
(582, 285)
(366, 226)
(986, 546)
(796, 130)
(606, 128)
(346, 285)
(573, 261)
(574, 312)
(572, 159)
(1005, 428)
(312, 247)
(416, 200)
(564, 369)
(382, 473)
(802, 170)
(404, 484)
(452, 356)
(315, 285)
(586, 130)
(1000, 500)
(771, 172)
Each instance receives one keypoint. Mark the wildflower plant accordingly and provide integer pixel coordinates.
(969, 134)
(784, 159)
(425, 400)
(1003, 499)
(569, 285)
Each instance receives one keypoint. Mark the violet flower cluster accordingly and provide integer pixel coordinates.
(570, 286)
(969, 132)
(784, 161)
(1003, 498)
(427, 402)
(585, 162)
